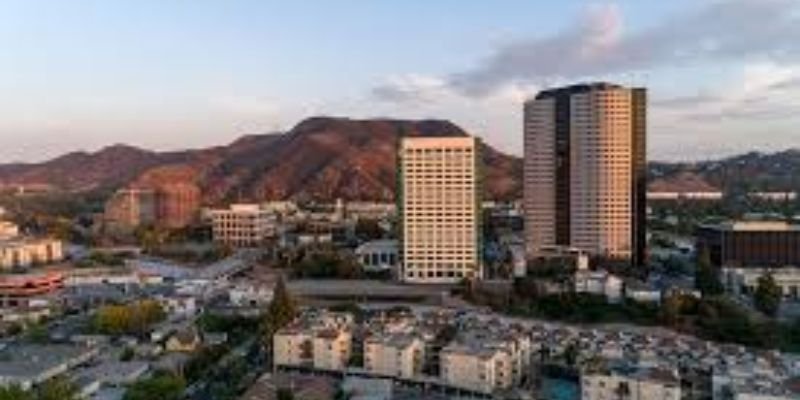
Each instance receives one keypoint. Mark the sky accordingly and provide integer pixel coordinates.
(723, 75)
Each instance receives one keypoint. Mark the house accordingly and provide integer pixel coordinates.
(186, 340)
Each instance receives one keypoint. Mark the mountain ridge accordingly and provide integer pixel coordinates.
(324, 158)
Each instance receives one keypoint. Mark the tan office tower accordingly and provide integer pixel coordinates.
(439, 201)
(585, 170)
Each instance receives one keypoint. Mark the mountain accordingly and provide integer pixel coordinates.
(322, 158)
(325, 158)
(752, 171)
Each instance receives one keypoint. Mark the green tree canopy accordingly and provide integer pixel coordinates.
(706, 277)
(281, 310)
(767, 297)
(162, 386)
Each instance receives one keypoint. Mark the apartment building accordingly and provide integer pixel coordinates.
(242, 225)
(439, 198)
(486, 360)
(321, 340)
(394, 355)
(584, 170)
(331, 349)
(631, 383)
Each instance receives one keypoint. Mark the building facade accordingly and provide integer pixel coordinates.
(398, 355)
(242, 225)
(584, 170)
(751, 244)
(439, 199)
(129, 208)
(25, 252)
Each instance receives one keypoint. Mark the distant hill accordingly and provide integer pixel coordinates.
(321, 158)
(742, 173)
(325, 158)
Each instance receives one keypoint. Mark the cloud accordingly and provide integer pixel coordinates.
(597, 45)
(410, 88)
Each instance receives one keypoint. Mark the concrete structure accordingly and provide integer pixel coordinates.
(751, 244)
(379, 255)
(622, 382)
(394, 355)
(242, 225)
(129, 208)
(584, 170)
(439, 198)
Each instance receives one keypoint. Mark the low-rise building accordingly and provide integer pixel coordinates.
(600, 283)
(626, 382)
(744, 281)
(331, 349)
(642, 292)
(243, 225)
(394, 355)
(486, 360)
(20, 252)
(319, 340)
(28, 290)
(379, 255)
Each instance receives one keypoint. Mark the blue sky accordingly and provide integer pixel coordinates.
(175, 74)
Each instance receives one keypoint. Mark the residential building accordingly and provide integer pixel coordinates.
(486, 360)
(584, 170)
(751, 244)
(242, 225)
(321, 340)
(331, 349)
(632, 383)
(439, 198)
(394, 355)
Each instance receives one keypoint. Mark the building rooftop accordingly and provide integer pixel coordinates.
(755, 226)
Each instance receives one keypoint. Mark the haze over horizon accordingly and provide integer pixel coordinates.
(167, 76)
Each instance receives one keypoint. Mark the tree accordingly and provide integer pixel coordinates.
(14, 392)
(162, 386)
(285, 394)
(767, 297)
(706, 277)
(57, 389)
(671, 309)
(280, 312)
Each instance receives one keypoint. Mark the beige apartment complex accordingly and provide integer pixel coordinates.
(321, 341)
(242, 225)
(439, 198)
(584, 171)
(394, 355)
